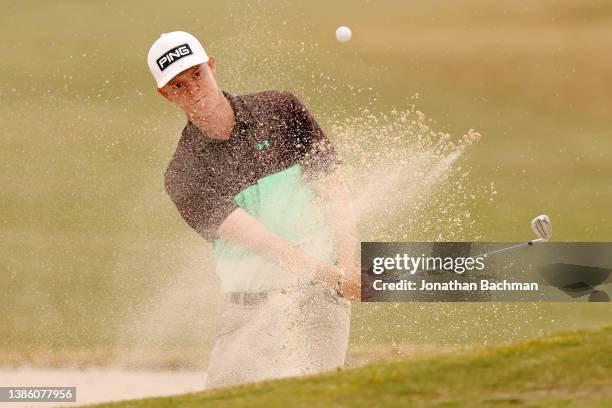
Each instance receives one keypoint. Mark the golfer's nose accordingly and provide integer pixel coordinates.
(192, 87)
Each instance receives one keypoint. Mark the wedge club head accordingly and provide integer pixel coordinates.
(542, 227)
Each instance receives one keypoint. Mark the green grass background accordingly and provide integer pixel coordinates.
(93, 254)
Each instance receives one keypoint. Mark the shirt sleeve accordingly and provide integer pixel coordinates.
(315, 151)
(202, 205)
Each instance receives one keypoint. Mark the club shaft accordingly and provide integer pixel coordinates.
(510, 248)
(485, 255)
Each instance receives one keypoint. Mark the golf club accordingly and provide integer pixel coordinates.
(540, 225)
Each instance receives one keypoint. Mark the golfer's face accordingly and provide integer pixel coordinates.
(193, 90)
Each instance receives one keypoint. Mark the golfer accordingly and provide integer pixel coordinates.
(256, 176)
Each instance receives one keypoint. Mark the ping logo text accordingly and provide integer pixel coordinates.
(173, 55)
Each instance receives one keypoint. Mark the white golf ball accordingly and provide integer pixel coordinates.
(343, 34)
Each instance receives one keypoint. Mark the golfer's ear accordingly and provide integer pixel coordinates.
(163, 92)
(212, 65)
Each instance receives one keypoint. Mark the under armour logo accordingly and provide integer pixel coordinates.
(263, 145)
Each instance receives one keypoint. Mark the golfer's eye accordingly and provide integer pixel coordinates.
(197, 74)
(177, 85)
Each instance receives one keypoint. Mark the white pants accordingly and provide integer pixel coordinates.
(297, 332)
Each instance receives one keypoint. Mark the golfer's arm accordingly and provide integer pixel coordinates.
(337, 204)
(244, 229)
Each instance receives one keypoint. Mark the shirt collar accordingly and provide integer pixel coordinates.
(241, 111)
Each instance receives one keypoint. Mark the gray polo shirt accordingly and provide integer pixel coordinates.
(275, 149)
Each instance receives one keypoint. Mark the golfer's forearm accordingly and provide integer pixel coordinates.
(339, 210)
(244, 229)
(344, 225)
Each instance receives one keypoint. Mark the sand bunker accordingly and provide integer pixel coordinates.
(103, 384)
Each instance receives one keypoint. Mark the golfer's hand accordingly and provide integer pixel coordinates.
(328, 274)
(350, 284)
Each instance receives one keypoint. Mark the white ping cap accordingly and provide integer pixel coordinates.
(172, 53)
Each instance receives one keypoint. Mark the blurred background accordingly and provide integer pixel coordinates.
(96, 265)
